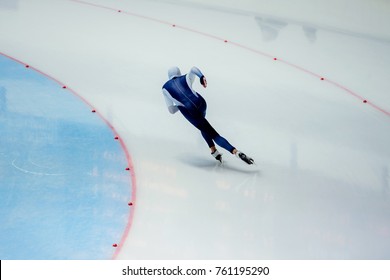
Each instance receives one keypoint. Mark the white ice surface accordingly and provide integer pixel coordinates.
(320, 189)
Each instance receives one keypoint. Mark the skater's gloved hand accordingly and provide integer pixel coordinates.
(203, 81)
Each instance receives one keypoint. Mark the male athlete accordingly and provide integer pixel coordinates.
(180, 96)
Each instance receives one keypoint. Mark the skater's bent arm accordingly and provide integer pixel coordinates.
(192, 74)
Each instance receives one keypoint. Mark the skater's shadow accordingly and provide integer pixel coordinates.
(212, 165)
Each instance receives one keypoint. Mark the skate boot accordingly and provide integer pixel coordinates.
(217, 156)
(244, 157)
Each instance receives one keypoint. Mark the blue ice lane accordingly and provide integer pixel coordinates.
(63, 188)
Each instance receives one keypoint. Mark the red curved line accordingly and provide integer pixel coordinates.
(123, 146)
(345, 89)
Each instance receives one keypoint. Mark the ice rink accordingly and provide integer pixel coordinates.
(93, 166)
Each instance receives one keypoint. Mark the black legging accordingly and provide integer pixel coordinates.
(197, 119)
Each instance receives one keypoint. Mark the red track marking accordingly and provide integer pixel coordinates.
(123, 145)
(211, 36)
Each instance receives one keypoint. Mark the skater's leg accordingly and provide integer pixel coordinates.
(196, 118)
(193, 117)
(208, 132)
(211, 136)
(208, 139)
(222, 142)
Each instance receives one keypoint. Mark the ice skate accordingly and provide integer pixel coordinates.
(217, 155)
(244, 157)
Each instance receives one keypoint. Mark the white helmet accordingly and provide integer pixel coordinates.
(174, 72)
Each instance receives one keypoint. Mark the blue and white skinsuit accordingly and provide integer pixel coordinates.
(179, 95)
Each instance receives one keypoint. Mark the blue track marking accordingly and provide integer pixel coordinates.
(63, 188)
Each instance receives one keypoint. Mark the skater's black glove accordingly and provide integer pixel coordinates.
(203, 81)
